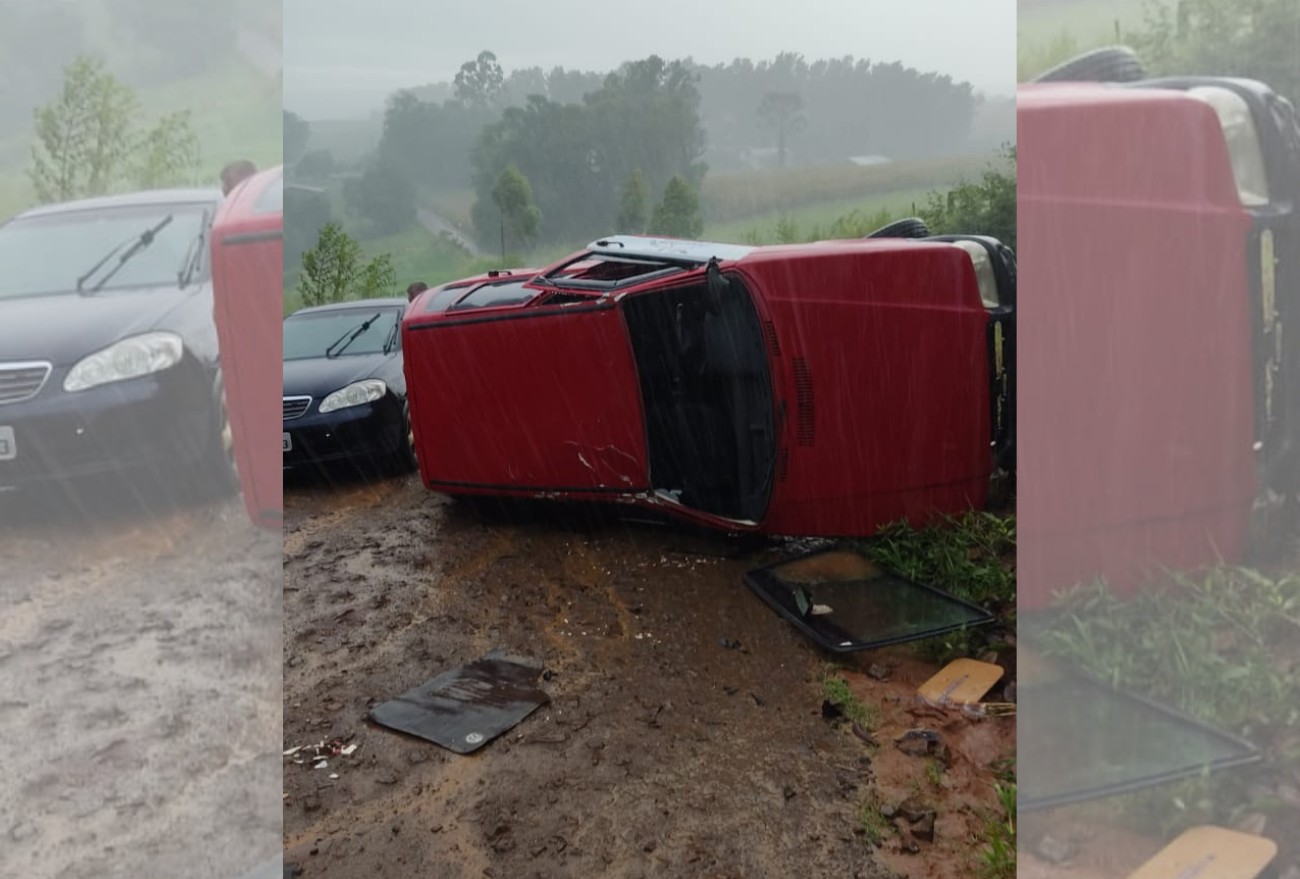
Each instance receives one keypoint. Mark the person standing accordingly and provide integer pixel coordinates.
(415, 290)
(236, 173)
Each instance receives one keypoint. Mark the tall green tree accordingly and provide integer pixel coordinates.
(578, 156)
(91, 140)
(297, 134)
(782, 113)
(678, 213)
(316, 164)
(634, 209)
(167, 154)
(336, 270)
(383, 197)
(480, 82)
(521, 220)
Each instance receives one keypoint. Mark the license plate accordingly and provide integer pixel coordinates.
(288, 443)
(8, 445)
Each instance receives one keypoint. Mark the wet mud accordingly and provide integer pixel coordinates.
(684, 736)
(140, 689)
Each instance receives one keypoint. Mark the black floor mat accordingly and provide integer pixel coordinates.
(845, 602)
(464, 709)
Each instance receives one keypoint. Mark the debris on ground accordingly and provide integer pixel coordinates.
(918, 742)
(320, 753)
(846, 603)
(464, 709)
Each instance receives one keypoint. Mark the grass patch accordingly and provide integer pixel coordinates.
(729, 197)
(836, 691)
(998, 859)
(934, 772)
(1221, 647)
(972, 556)
(830, 219)
(875, 826)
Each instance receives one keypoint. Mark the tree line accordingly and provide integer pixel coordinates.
(586, 148)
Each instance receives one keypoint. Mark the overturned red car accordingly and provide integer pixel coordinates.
(248, 294)
(1160, 218)
(816, 389)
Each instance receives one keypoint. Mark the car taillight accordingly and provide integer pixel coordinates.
(1244, 150)
(984, 276)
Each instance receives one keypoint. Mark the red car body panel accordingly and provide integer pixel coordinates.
(1135, 452)
(247, 260)
(880, 384)
(898, 395)
(555, 416)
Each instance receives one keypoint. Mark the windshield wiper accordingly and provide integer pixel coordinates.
(391, 342)
(194, 256)
(349, 337)
(137, 244)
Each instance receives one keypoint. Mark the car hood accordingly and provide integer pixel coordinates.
(63, 328)
(320, 376)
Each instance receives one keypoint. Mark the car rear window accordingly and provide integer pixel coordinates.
(445, 297)
(496, 293)
(591, 272)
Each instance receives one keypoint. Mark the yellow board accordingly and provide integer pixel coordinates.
(961, 682)
(1210, 853)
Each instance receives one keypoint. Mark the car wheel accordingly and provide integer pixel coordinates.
(405, 459)
(218, 472)
(911, 227)
(1110, 64)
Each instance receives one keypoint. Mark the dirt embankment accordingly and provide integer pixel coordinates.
(666, 750)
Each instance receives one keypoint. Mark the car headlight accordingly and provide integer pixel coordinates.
(355, 394)
(130, 358)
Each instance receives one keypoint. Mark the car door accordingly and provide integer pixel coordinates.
(526, 401)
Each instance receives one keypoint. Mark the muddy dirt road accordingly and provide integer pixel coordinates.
(662, 752)
(140, 690)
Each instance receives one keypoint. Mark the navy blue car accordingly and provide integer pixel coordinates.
(108, 349)
(344, 388)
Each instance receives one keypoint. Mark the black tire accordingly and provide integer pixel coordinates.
(911, 227)
(217, 475)
(404, 458)
(1110, 64)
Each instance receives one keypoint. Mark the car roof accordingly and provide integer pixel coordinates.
(668, 248)
(1054, 94)
(386, 302)
(150, 197)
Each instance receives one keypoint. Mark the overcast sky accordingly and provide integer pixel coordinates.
(343, 56)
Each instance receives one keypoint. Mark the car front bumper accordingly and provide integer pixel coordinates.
(372, 431)
(153, 423)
